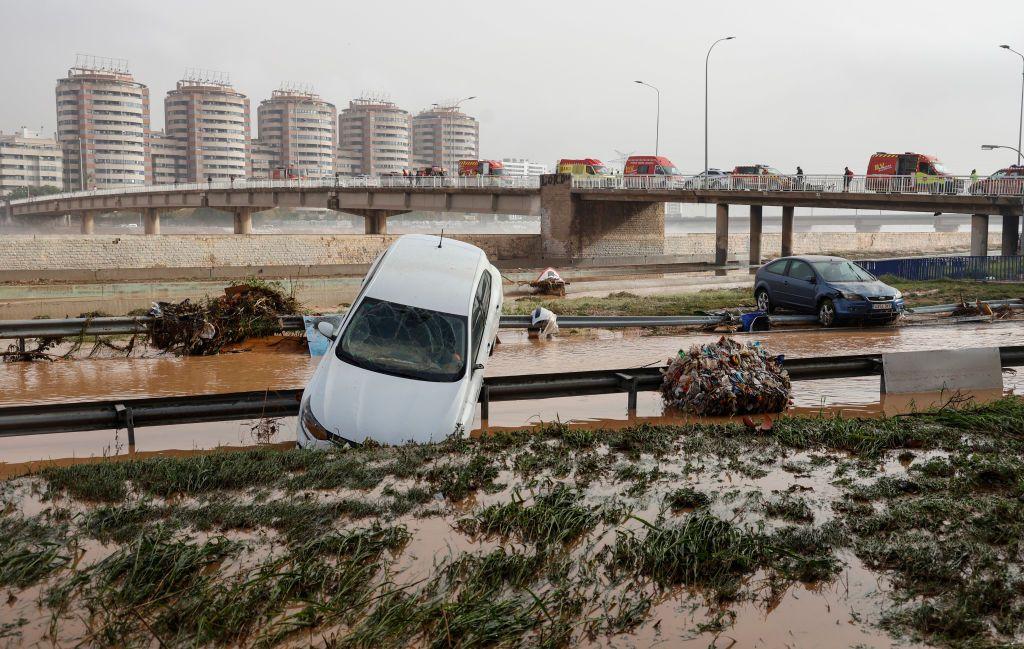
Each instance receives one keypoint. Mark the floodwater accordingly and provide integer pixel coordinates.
(107, 378)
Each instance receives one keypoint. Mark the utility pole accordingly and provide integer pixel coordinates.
(707, 59)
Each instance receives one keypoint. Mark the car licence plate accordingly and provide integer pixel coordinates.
(882, 305)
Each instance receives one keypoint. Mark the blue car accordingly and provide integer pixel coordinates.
(834, 288)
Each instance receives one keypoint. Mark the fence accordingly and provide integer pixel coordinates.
(924, 268)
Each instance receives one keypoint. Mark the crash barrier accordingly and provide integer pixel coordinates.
(1008, 267)
(163, 411)
(128, 325)
(816, 183)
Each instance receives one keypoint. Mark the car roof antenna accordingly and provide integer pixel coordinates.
(441, 240)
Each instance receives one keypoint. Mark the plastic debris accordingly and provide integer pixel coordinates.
(726, 378)
(542, 323)
(549, 282)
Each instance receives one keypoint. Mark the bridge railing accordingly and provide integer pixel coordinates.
(827, 183)
(341, 182)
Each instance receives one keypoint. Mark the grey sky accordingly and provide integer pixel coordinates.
(815, 83)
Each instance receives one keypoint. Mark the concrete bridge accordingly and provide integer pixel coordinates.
(580, 217)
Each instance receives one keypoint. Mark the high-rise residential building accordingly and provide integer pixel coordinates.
(29, 160)
(212, 119)
(263, 159)
(523, 167)
(303, 130)
(168, 159)
(102, 122)
(444, 135)
(373, 137)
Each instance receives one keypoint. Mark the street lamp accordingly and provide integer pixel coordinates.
(990, 147)
(707, 59)
(1020, 126)
(657, 121)
(451, 123)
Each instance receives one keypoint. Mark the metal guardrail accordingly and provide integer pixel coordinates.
(162, 411)
(816, 183)
(1010, 267)
(341, 182)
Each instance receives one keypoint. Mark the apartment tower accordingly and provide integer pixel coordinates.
(29, 160)
(444, 135)
(302, 129)
(102, 123)
(211, 118)
(373, 137)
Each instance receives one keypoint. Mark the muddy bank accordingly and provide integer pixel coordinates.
(819, 531)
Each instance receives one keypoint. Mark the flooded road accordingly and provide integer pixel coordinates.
(95, 379)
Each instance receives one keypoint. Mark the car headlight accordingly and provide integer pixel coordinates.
(898, 296)
(853, 297)
(311, 425)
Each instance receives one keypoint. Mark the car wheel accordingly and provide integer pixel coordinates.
(827, 313)
(764, 301)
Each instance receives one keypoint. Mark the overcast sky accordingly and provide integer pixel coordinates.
(818, 83)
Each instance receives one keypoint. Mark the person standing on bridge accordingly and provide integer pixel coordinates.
(799, 177)
(847, 177)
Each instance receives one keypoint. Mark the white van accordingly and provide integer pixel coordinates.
(407, 361)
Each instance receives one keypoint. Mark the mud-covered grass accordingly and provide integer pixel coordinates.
(917, 293)
(552, 537)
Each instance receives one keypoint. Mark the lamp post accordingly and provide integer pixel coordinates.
(657, 121)
(707, 60)
(1020, 125)
(451, 123)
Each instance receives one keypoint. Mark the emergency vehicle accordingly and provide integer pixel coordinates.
(650, 165)
(909, 172)
(481, 168)
(285, 173)
(582, 167)
(760, 177)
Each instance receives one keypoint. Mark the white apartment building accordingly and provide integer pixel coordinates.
(29, 160)
(523, 167)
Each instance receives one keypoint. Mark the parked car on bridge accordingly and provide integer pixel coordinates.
(834, 288)
(716, 179)
(910, 172)
(1005, 182)
(760, 177)
(582, 167)
(407, 361)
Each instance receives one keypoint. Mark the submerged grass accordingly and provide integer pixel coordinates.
(268, 547)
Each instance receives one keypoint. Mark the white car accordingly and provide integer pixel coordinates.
(406, 364)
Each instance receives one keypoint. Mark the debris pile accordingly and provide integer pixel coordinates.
(549, 282)
(726, 378)
(248, 310)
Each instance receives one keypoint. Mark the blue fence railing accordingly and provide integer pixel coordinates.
(923, 268)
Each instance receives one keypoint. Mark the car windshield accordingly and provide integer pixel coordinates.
(405, 341)
(669, 171)
(746, 170)
(940, 168)
(596, 170)
(842, 271)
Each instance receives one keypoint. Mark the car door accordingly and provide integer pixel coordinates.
(481, 330)
(774, 276)
(801, 286)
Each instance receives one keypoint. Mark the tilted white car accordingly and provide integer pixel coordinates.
(407, 361)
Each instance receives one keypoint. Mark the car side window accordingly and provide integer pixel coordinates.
(801, 270)
(778, 267)
(481, 302)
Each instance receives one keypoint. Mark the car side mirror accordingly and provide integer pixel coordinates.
(326, 329)
(478, 366)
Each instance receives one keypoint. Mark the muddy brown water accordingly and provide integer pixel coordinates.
(106, 378)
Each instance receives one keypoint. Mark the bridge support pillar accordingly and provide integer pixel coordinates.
(756, 220)
(1011, 236)
(88, 222)
(721, 234)
(243, 220)
(151, 219)
(787, 230)
(376, 221)
(979, 235)
(575, 226)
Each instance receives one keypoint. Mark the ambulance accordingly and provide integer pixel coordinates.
(910, 172)
(582, 167)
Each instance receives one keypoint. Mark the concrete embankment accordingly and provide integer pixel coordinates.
(34, 258)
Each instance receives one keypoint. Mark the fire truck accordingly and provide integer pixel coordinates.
(481, 168)
(582, 167)
(285, 173)
(649, 165)
(910, 172)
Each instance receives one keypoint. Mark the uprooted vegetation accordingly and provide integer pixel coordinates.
(553, 537)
